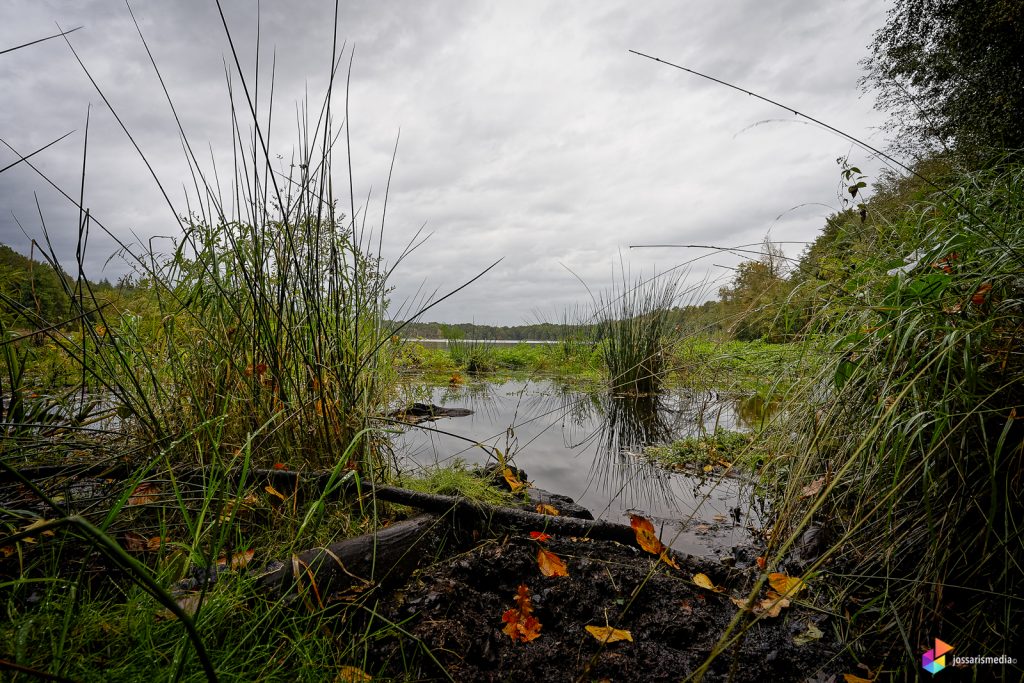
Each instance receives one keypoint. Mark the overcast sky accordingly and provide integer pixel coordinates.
(528, 131)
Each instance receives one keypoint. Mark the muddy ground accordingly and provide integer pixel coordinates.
(454, 609)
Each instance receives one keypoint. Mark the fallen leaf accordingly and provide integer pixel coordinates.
(607, 634)
(645, 536)
(7, 550)
(539, 536)
(550, 564)
(664, 557)
(144, 494)
(853, 678)
(786, 585)
(519, 624)
(811, 634)
(544, 509)
(352, 674)
(978, 298)
(772, 606)
(137, 543)
(272, 491)
(761, 562)
(813, 488)
(708, 468)
(238, 560)
(35, 525)
(513, 481)
(704, 581)
(189, 604)
(280, 466)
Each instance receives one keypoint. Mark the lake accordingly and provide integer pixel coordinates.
(588, 446)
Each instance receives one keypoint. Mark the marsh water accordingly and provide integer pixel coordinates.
(589, 446)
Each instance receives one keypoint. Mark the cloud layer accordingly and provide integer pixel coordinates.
(528, 131)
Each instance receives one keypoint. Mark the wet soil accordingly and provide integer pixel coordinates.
(453, 610)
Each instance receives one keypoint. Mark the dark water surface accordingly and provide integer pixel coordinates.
(587, 446)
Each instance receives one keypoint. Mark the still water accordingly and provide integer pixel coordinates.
(588, 446)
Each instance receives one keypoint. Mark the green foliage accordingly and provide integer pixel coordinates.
(32, 294)
(952, 73)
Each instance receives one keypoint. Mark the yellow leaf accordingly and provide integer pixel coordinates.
(804, 637)
(272, 491)
(550, 564)
(703, 581)
(513, 481)
(607, 634)
(786, 585)
(853, 678)
(544, 509)
(36, 524)
(708, 468)
(645, 536)
(352, 674)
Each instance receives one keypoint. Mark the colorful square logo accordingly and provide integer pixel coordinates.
(934, 661)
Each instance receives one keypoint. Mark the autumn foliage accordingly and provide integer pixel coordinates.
(520, 625)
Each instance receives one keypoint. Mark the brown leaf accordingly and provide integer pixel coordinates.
(978, 298)
(144, 494)
(813, 488)
(645, 536)
(352, 674)
(761, 562)
(771, 606)
(550, 564)
(544, 509)
(137, 543)
(519, 624)
(786, 585)
(238, 560)
(607, 634)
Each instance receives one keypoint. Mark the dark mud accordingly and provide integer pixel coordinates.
(454, 609)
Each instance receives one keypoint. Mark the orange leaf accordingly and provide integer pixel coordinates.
(668, 560)
(761, 562)
(7, 550)
(272, 491)
(539, 536)
(137, 543)
(519, 625)
(771, 606)
(544, 509)
(280, 466)
(607, 634)
(645, 536)
(853, 678)
(144, 494)
(550, 564)
(786, 585)
(513, 481)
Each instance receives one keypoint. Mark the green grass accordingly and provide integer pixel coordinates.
(714, 452)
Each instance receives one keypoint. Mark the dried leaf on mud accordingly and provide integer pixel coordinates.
(645, 535)
(770, 607)
(810, 635)
(540, 536)
(513, 481)
(137, 543)
(550, 564)
(519, 624)
(607, 634)
(664, 557)
(704, 581)
(545, 509)
(786, 585)
(812, 489)
(853, 678)
(272, 491)
(352, 674)
(761, 562)
(144, 494)
(7, 550)
(238, 560)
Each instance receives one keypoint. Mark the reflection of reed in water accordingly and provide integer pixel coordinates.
(630, 423)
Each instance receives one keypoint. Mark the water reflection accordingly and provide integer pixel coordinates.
(589, 447)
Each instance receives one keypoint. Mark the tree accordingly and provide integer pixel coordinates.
(951, 73)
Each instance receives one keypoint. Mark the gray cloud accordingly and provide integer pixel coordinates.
(528, 132)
